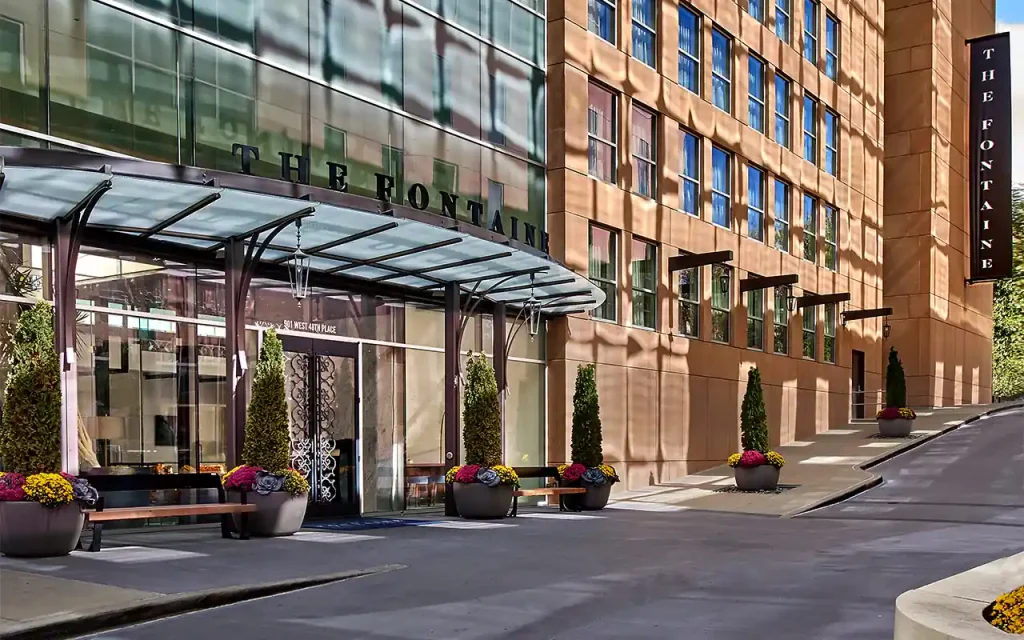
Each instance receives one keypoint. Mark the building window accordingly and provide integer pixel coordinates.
(601, 127)
(831, 238)
(781, 216)
(783, 11)
(642, 138)
(782, 103)
(392, 161)
(831, 46)
(721, 302)
(495, 198)
(755, 319)
(445, 176)
(810, 129)
(810, 228)
(811, 31)
(756, 9)
(721, 71)
(832, 142)
(689, 49)
(500, 110)
(644, 274)
(442, 90)
(604, 270)
(810, 329)
(830, 333)
(689, 173)
(781, 321)
(644, 48)
(601, 19)
(757, 92)
(755, 203)
(721, 187)
(12, 52)
(689, 302)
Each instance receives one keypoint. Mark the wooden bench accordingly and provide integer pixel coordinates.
(106, 484)
(542, 472)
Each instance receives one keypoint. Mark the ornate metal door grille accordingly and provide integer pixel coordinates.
(312, 418)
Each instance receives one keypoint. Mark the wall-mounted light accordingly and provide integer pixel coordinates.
(790, 299)
(886, 328)
(533, 311)
(298, 267)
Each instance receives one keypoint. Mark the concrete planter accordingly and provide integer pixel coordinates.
(278, 514)
(895, 428)
(763, 477)
(595, 499)
(476, 501)
(30, 530)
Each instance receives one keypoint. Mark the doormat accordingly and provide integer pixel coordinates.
(362, 524)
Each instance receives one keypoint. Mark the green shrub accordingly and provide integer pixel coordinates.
(754, 418)
(481, 414)
(586, 418)
(266, 424)
(30, 432)
(895, 381)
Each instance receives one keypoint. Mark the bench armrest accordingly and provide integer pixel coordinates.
(100, 503)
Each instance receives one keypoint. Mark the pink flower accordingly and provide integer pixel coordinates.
(752, 458)
(574, 472)
(11, 487)
(67, 476)
(243, 478)
(467, 473)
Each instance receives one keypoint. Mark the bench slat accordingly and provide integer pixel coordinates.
(164, 511)
(549, 491)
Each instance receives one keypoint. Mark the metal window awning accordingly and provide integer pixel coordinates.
(754, 283)
(199, 210)
(814, 300)
(863, 314)
(691, 260)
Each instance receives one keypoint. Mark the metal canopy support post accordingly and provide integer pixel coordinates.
(452, 324)
(70, 230)
(498, 332)
(234, 325)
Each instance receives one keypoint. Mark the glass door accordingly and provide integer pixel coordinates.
(323, 409)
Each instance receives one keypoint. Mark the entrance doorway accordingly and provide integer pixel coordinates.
(858, 385)
(321, 388)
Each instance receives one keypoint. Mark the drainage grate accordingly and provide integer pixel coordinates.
(778, 489)
(878, 436)
(363, 524)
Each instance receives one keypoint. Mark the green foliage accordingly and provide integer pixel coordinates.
(481, 414)
(753, 416)
(1008, 316)
(266, 424)
(895, 381)
(30, 432)
(586, 418)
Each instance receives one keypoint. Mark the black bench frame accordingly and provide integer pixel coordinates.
(538, 472)
(164, 482)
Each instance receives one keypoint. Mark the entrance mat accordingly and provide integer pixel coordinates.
(362, 524)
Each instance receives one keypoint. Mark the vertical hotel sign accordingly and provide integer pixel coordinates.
(990, 158)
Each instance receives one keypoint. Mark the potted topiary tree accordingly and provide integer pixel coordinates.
(757, 467)
(896, 420)
(587, 469)
(40, 508)
(483, 486)
(279, 492)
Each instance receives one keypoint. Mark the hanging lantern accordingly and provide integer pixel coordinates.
(886, 328)
(298, 267)
(533, 311)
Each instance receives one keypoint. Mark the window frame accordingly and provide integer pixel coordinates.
(762, 15)
(753, 100)
(613, 300)
(695, 58)
(22, 57)
(716, 193)
(639, 160)
(780, 320)
(811, 38)
(651, 29)
(611, 5)
(593, 137)
(829, 340)
(833, 242)
(832, 22)
(687, 180)
(716, 75)
(634, 289)
(812, 107)
(832, 168)
(785, 117)
(810, 235)
(762, 178)
(755, 322)
(782, 221)
(810, 334)
(787, 34)
(721, 312)
(691, 303)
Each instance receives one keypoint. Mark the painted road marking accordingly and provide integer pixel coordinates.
(133, 555)
(558, 516)
(836, 460)
(325, 536)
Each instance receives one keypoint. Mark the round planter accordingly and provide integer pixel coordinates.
(30, 530)
(895, 428)
(595, 499)
(476, 501)
(277, 514)
(763, 477)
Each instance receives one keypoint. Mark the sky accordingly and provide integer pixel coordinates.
(1010, 17)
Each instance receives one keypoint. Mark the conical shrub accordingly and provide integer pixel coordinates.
(266, 423)
(586, 418)
(481, 414)
(30, 431)
(895, 381)
(754, 418)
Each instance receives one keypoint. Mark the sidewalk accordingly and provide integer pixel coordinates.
(832, 465)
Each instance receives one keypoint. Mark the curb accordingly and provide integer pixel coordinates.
(112, 617)
(875, 480)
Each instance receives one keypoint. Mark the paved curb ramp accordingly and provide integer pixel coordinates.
(950, 609)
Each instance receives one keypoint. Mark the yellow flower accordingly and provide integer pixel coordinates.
(609, 472)
(1008, 611)
(561, 469)
(449, 475)
(775, 459)
(734, 459)
(507, 475)
(48, 489)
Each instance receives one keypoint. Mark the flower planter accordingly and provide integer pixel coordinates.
(477, 501)
(30, 530)
(277, 514)
(764, 477)
(595, 499)
(895, 427)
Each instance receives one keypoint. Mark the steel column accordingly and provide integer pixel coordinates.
(452, 323)
(500, 364)
(234, 330)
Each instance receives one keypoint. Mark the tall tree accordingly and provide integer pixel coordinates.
(266, 424)
(753, 416)
(1008, 316)
(586, 418)
(481, 414)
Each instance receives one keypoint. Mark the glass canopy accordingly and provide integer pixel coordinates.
(343, 234)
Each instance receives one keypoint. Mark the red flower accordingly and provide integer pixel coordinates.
(574, 472)
(467, 473)
(243, 478)
(752, 458)
(68, 477)
(11, 487)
